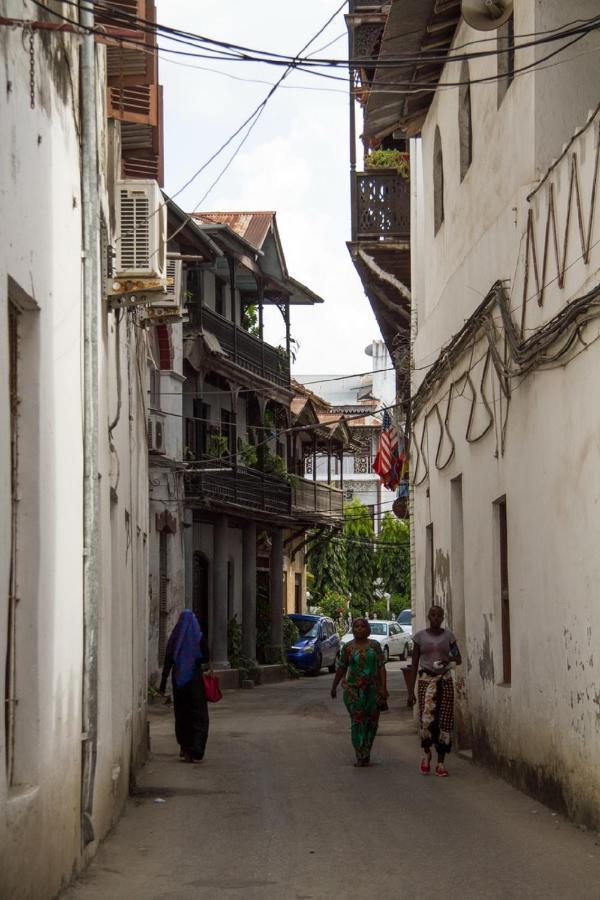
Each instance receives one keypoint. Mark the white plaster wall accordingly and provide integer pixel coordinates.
(40, 226)
(542, 730)
(40, 248)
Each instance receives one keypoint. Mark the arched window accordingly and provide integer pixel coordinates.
(465, 128)
(438, 182)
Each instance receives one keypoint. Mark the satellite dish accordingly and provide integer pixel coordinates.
(486, 15)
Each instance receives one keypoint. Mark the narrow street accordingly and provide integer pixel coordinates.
(277, 812)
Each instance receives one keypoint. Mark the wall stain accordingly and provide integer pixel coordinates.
(549, 785)
(486, 660)
(442, 585)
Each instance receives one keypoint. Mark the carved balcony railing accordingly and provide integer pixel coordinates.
(242, 487)
(316, 497)
(380, 206)
(248, 351)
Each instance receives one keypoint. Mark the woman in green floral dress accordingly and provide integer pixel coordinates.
(361, 665)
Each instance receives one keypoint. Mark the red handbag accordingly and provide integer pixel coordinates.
(212, 688)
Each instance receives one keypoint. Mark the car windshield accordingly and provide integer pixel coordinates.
(308, 628)
(405, 617)
(378, 628)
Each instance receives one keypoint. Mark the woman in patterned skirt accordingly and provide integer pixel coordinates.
(435, 648)
(361, 665)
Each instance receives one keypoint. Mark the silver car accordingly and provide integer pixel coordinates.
(394, 640)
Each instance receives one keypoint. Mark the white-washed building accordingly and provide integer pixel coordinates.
(358, 401)
(73, 443)
(505, 264)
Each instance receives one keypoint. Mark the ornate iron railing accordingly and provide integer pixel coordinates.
(243, 487)
(248, 351)
(314, 496)
(381, 206)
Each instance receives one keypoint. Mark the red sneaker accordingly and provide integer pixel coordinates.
(425, 767)
(441, 771)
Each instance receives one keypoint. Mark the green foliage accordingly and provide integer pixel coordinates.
(248, 454)
(393, 562)
(359, 538)
(274, 464)
(389, 159)
(250, 320)
(217, 446)
(235, 654)
(327, 566)
(334, 605)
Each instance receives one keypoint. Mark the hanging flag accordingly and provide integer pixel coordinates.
(390, 460)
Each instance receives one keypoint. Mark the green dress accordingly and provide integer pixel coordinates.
(360, 692)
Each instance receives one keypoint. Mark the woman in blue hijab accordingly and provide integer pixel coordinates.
(185, 653)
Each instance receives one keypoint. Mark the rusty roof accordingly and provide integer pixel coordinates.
(252, 226)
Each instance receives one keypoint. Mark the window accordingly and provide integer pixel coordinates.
(220, 297)
(22, 675)
(506, 58)
(10, 699)
(298, 593)
(465, 129)
(195, 292)
(502, 532)
(438, 182)
(228, 428)
(154, 388)
(196, 430)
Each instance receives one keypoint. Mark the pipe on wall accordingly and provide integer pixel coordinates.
(91, 482)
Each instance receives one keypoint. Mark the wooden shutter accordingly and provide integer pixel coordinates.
(134, 96)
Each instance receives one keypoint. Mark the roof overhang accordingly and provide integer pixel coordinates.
(402, 92)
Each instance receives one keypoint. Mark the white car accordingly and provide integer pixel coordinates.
(394, 639)
(405, 620)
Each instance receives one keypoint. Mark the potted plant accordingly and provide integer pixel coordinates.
(248, 454)
(389, 159)
(217, 446)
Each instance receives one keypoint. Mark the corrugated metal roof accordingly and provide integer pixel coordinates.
(252, 226)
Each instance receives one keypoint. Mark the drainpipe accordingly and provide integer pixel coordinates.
(414, 324)
(91, 483)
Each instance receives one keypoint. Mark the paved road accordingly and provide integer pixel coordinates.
(278, 812)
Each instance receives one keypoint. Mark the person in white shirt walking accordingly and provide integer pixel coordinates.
(435, 649)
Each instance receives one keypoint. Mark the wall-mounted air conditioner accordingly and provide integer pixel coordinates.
(168, 306)
(155, 432)
(141, 239)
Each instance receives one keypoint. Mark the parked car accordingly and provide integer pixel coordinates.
(405, 620)
(318, 644)
(394, 639)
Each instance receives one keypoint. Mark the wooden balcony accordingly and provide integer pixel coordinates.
(251, 491)
(243, 487)
(380, 206)
(316, 497)
(248, 351)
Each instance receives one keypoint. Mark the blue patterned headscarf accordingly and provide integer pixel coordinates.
(184, 647)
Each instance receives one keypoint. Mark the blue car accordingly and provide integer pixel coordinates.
(318, 644)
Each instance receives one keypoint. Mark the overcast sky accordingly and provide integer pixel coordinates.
(295, 161)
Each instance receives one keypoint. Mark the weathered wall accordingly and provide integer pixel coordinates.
(40, 258)
(540, 451)
(40, 237)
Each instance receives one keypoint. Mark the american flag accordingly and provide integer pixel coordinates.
(389, 460)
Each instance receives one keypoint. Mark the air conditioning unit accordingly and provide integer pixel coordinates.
(141, 239)
(169, 306)
(156, 440)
